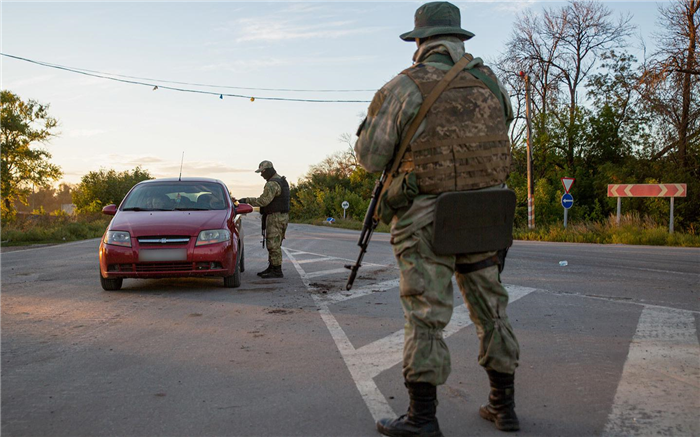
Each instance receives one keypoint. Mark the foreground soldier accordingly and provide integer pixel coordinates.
(274, 207)
(461, 145)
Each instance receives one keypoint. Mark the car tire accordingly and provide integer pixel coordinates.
(241, 256)
(111, 284)
(234, 280)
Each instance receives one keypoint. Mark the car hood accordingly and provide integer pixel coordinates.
(151, 223)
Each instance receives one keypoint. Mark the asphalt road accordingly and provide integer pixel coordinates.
(609, 344)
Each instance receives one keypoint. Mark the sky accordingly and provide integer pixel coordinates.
(309, 46)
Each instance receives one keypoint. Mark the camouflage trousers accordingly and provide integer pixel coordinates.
(427, 300)
(274, 234)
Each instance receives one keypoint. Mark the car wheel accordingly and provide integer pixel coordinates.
(234, 280)
(111, 284)
(242, 256)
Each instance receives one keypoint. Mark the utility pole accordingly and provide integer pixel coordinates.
(530, 188)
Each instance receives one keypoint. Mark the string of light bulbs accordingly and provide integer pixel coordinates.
(156, 84)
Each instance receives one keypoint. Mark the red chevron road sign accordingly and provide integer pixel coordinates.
(647, 190)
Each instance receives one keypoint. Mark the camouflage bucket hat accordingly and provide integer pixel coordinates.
(263, 166)
(437, 18)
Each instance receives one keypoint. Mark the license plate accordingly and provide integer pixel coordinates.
(149, 255)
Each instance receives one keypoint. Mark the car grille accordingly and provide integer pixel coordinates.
(164, 240)
(164, 267)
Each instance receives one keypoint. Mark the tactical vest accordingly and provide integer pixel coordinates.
(465, 144)
(279, 203)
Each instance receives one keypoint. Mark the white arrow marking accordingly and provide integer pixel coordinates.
(663, 190)
(680, 190)
(627, 190)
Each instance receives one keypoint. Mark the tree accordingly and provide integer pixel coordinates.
(25, 125)
(103, 187)
(672, 82)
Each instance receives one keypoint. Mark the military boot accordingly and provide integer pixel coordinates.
(275, 272)
(501, 406)
(420, 419)
(267, 270)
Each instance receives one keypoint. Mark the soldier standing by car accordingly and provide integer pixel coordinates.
(274, 207)
(452, 114)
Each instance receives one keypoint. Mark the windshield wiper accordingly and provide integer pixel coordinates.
(191, 209)
(136, 208)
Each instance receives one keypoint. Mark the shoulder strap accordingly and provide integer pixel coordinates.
(492, 85)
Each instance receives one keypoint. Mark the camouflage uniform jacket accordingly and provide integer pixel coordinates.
(272, 189)
(389, 115)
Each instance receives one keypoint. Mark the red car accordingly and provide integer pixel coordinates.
(167, 228)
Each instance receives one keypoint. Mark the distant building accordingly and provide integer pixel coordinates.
(68, 208)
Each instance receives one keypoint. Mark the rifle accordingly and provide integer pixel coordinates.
(368, 227)
(264, 229)
(371, 221)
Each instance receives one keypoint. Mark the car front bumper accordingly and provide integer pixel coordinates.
(216, 259)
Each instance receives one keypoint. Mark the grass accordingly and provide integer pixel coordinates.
(632, 230)
(49, 230)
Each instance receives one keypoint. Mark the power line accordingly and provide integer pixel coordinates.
(207, 85)
(157, 84)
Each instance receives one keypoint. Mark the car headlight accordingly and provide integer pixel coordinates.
(118, 238)
(213, 236)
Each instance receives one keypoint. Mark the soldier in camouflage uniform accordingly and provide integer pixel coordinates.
(469, 123)
(274, 207)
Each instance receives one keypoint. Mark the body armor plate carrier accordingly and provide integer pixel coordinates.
(281, 202)
(465, 144)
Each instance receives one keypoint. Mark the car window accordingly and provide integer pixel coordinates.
(172, 196)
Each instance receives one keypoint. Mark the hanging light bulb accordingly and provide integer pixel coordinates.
(252, 99)
(221, 96)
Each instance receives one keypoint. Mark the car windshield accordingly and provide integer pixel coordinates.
(176, 196)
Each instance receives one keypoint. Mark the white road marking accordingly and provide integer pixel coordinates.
(315, 260)
(329, 258)
(658, 392)
(369, 361)
(326, 272)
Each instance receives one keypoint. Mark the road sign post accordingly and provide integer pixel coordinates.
(345, 206)
(567, 200)
(647, 190)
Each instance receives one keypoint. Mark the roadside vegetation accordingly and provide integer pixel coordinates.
(49, 229)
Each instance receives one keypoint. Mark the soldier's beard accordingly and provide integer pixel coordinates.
(268, 173)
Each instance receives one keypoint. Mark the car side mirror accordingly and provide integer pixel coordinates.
(244, 208)
(110, 209)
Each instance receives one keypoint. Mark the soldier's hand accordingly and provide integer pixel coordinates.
(243, 200)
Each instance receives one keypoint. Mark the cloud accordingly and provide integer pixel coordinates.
(28, 81)
(199, 168)
(280, 30)
(144, 160)
(84, 133)
(247, 65)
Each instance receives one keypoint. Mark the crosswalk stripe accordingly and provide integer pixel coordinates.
(658, 393)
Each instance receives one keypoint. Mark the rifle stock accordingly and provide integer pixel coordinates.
(369, 225)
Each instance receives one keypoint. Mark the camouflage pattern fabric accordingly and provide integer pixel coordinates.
(427, 300)
(426, 278)
(271, 190)
(398, 102)
(275, 233)
(276, 222)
